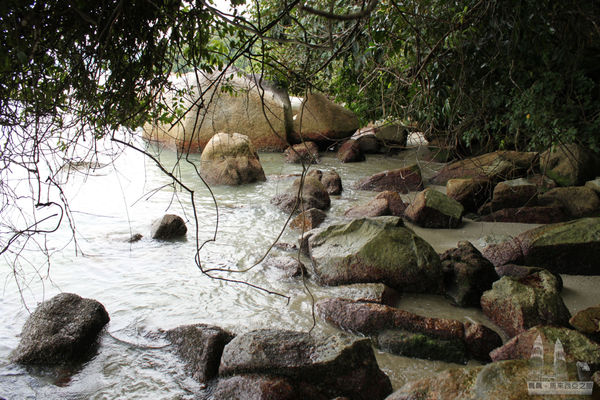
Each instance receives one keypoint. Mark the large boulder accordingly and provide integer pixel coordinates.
(577, 201)
(200, 346)
(253, 107)
(338, 365)
(568, 247)
(496, 166)
(378, 249)
(61, 330)
(472, 193)
(230, 159)
(385, 203)
(322, 121)
(467, 274)
(569, 165)
(576, 346)
(305, 193)
(402, 180)
(305, 152)
(170, 226)
(433, 209)
(516, 305)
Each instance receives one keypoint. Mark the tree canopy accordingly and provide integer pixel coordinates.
(473, 73)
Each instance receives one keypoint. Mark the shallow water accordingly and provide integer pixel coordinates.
(148, 285)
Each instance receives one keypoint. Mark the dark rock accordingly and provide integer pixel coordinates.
(338, 365)
(401, 180)
(261, 387)
(169, 227)
(61, 330)
(516, 305)
(385, 203)
(467, 274)
(576, 346)
(577, 201)
(472, 193)
(230, 159)
(308, 219)
(136, 237)
(410, 344)
(200, 346)
(528, 215)
(569, 247)
(350, 151)
(569, 165)
(367, 141)
(290, 266)
(375, 250)
(305, 152)
(587, 321)
(433, 209)
(481, 340)
(496, 166)
(313, 195)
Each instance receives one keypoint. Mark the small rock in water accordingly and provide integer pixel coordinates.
(169, 227)
(136, 237)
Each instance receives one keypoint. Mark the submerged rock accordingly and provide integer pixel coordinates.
(312, 195)
(569, 247)
(170, 226)
(375, 250)
(305, 152)
(467, 274)
(516, 305)
(385, 203)
(200, 346)
(433, 209)
(290, 266)
(338, 365)
(402, 180)
(230, 159)
(309, 219)
(61, 330)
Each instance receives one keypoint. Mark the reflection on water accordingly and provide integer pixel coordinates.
(150, 285)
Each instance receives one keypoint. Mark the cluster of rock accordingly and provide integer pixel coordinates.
(510, 186)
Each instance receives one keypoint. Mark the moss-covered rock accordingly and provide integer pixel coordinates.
(569, 165)
(516, 305)
(433, 209)
(579, 201)
(569, 247)
(378, 249)
(576, 346)
(409, 344)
